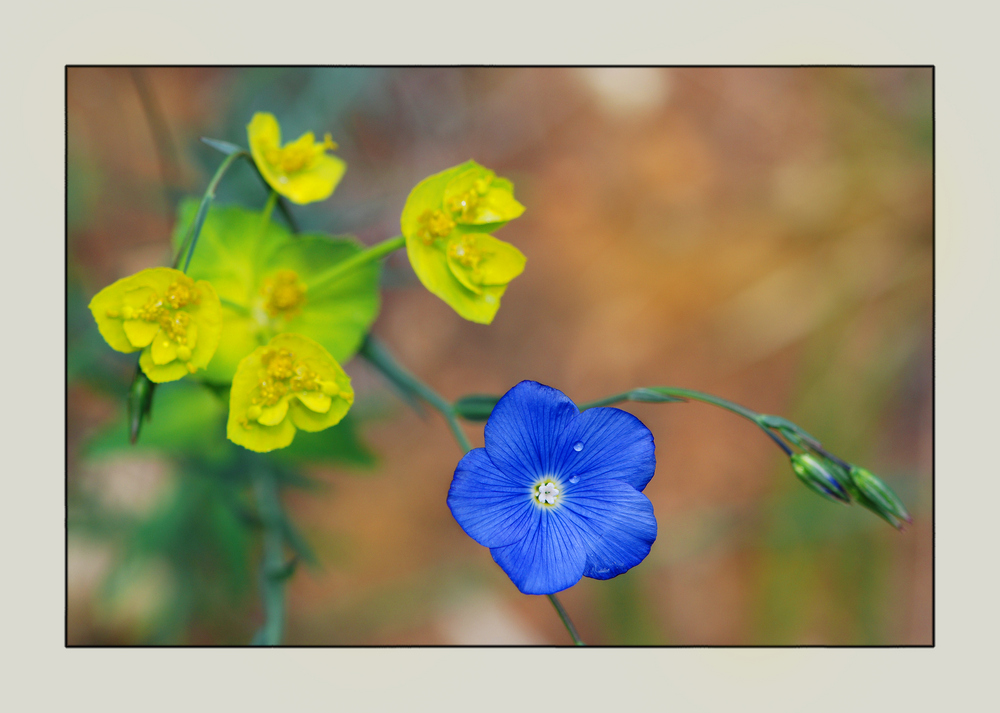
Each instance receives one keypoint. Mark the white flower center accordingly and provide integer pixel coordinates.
(546, 492)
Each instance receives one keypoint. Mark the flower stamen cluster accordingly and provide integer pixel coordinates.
(284, 294)
(173, 319)
(546, 493)
(301, 170)
(446, 222)
(291, 383)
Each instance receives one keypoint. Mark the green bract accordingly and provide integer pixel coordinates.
(270, 281)
(445, 221)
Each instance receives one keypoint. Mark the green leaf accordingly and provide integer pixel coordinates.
(475, 407)
(339, 444)
(241, 256)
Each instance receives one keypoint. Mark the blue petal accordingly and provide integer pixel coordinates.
(550, 558)
(616, 523)
(493, 509)
(524, 427)
(613, 444)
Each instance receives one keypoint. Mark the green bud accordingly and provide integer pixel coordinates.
(476, 407)
(878, 497)
(140, 403)
(817, 477)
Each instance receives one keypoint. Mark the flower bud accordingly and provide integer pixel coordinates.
(140, 403)
(878, 497)
(817, 477)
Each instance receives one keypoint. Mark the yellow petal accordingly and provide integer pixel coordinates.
(273, 415)
(315, 401)
(163, 351)
(140, 332)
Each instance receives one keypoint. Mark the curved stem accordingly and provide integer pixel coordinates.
(566, 620)
(375, 252)
(265, 217)
(759, 419)
(192, 237)
(375, 352)
(236, 307)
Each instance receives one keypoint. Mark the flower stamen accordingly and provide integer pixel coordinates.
(284, 294)
(434, 224)
(546, 492)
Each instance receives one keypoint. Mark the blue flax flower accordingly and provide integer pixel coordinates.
(555, 494)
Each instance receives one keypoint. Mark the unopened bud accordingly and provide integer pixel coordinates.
(140, 403)
(878, 497)
(818, 478)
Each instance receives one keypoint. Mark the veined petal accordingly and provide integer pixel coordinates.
(493, 509)
(549, 558)
(525, 427)
(612, 444)
(615, 521)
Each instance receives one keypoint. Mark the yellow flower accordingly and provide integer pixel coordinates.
(445, 223)
(301, 171)
(290, 383)
(173, 319)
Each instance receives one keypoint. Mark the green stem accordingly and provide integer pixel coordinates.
(272, 577)
(192, 237)
(566, 620)
(375, 252)
(234, 306)
(375, 352)
(759, 419)
(272, 200)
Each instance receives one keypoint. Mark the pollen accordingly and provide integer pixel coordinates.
(434, 224)
(282, 375)
(181, 293)
(466, 252)
(298, 154)
(173, 324)
(284, 294)
(463, 206)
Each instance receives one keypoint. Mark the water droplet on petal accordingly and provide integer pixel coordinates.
(578, 446)
(575, 479)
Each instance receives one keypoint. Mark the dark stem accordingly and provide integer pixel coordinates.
(375, 352)
(192, 237)
(566, 620)
(272, 571)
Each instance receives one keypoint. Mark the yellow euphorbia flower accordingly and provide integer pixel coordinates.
(301, 171)
(173, 319)
(290, 383)
(445, 222)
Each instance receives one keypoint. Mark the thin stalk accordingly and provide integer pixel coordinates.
(265, 218)
(757, 418)
(192, 237)
(375, 252)
(272, 577)
(236, 307)
(566, 620)
(375, 352)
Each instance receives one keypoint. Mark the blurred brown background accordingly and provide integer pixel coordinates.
(761, 234)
